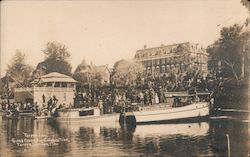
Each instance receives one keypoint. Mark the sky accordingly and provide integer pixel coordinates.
(103, 32)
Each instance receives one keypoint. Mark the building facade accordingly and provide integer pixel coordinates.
(102, 72)
(51, 86)
(161, 60)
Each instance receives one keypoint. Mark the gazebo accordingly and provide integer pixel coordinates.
(51, 86)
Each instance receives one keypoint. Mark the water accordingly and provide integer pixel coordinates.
(28, 137)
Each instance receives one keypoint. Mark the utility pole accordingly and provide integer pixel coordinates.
(8, 94)
(111, 85)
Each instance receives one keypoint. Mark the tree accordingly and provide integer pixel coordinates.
(229, 50)
(126, 72)
(80, 73)
(88, 75)
(246, 3)
(56, 59)
(18, 70)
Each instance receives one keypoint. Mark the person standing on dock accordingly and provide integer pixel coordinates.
(141, 96)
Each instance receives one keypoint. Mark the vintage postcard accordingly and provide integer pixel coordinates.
(124, 78)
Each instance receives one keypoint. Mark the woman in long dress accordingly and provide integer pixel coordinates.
(156, 98)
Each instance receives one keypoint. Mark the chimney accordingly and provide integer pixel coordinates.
(162, 45)
(145, 46)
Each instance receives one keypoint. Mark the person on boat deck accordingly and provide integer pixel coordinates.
(24, 106)
(141, 96)
(197, 99)
(17, 107)
(151, 94)
(212, 101)
(146, 98)
(177, 101)
(28, 106)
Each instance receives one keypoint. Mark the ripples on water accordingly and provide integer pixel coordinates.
(189, 139)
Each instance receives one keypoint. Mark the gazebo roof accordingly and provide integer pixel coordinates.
(55, 77)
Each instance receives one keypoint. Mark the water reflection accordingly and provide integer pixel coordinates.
(205, 138)
(238, 133)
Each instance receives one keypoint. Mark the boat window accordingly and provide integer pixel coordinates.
(86, 113)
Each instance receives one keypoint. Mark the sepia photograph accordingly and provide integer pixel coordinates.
(109, 78)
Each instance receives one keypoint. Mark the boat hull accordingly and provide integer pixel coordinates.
(105, 118)
(85, 115)
(43, 117)
(196, 111)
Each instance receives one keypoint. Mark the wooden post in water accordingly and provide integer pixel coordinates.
(228, 146)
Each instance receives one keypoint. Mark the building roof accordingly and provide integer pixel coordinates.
(55, 77)
(169, 50)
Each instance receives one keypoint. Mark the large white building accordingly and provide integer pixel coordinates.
(52, 85)
(161, 60)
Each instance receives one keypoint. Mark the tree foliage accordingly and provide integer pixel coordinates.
(246, 3)
(56, 59)
(88, 75)
(126, 72)
(80, 73)
(18, 70)
(229, 50)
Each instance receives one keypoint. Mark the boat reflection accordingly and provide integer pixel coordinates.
(185, 129)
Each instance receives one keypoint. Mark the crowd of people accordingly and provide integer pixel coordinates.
(47, 108)
(112, 98)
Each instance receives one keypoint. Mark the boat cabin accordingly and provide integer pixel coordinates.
(173, 100)
(79, 112)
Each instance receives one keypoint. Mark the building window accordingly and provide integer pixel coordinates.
(71, 85)
(153, 62)
(157, 70)
(49, 84)
(157, 61)
(64, 84)
(163, 69)
(167, 68)
(149, 63)
(173, 60)
(149, 69)
(57, 84)
(163, 61)
(177, 66)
